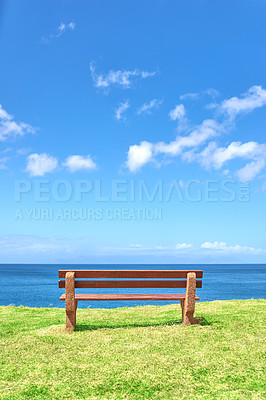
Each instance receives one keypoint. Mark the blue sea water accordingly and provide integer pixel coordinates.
(37, 285)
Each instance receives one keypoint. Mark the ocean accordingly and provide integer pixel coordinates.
(37, 285)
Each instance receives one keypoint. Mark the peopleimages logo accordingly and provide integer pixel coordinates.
(129, 191)
(118, 199)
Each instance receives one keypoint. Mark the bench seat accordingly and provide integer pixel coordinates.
(125, 297)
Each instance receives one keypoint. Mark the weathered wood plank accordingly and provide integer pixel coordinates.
(126, 297)
(130, 274)
(130, 284)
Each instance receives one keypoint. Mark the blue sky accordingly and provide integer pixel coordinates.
(132, 132)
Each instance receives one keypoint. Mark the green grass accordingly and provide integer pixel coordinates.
(134, 353)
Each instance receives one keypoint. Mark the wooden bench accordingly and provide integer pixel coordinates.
(98, 279)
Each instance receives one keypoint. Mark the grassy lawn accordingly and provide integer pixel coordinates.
(134, 353)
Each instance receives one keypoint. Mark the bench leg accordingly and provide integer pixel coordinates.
(70, 321)
(182, 308)
(189, 303)
(71, 303)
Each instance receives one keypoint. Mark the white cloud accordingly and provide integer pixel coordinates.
(147, 74)
(196, 95)
(9, 128)
(178, 248)
(77, 163)
(254, 98)
(250, 170)
(62, 28)
(222, 246)
(138, 155)
(40, 164)
(206, 248)
(147, 108)
(215, 245)
(214, 156)
(182, 246)
(23, 151)
(122, 78)
(209, 128)
(72, 25)
(190, 95)
(4, 114)
(226, 172)
(211, 92)
(178, 113)
(120, 110)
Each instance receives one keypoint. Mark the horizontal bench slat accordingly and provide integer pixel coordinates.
(126, 297)
(129, 284)
(130, 274)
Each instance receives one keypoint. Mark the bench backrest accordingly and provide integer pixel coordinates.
(160, 278)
